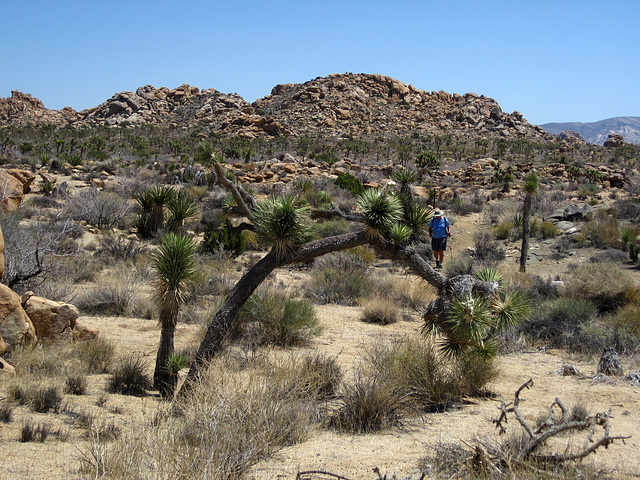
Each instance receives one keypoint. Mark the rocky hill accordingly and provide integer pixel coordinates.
(340, 104)
(598, 132)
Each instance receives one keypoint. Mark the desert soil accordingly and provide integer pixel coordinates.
(395, 451)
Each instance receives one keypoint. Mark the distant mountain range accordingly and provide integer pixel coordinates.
(598, 132)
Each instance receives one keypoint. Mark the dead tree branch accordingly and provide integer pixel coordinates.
(555, 425)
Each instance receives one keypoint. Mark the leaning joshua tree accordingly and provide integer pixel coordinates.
(390, 226)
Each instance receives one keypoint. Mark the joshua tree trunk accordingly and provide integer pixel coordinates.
(223, 319)
(526, 215)
(163, 381)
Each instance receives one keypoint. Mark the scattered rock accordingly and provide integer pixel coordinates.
(569, 370)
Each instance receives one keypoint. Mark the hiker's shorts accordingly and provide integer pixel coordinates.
(439, 244)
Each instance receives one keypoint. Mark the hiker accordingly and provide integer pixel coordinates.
(439, 231)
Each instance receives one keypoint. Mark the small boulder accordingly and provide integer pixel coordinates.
(82, 332)
(52, 320)
(15, 326)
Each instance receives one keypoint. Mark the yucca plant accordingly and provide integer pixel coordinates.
(379, 211)
(283, 223)
(174, 265)
(182, 208)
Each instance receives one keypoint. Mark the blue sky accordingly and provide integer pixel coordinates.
(554, 61)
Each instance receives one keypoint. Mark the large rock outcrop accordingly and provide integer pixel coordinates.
(356, 104)
(16, 328)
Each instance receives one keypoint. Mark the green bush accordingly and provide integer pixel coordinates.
(349, 182)
(224, 238)
(336, 226)
(273, 317)
(566, 323)
(341, 278)
(605, 284)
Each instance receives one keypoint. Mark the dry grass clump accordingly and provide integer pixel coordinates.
(130, 377)
(228, 424)
(379, 309)
(95, 355)
(412, 292)
(368, 405)
(40, 398)
(117, 292)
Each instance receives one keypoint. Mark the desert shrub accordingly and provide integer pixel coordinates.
(224, 428)
(415, 368)
(43, 361)
(349, 182)
(274, 317)
(548, 230)
(624, 326)
(379, 309)
(627, 209)
(34, 433)
(542, 289)
(121, 248)
(116, 293)
(40, 398)
(224, 238)
(412, 292)
(465, 205)
(463, 264)
(605, 284)
(487, 250)
(503, 230)
(603, 231)
(129, 377)
(6, 412)
(75, 384)
(95, 355)
(340, 278)
(103, 210)
(609, 255)
(368, 405)
(336, 226)
(313, 376)
(216, 274)
(564, 323)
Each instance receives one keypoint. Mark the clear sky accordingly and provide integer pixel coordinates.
(554, 61)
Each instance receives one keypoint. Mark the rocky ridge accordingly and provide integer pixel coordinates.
(336, 105)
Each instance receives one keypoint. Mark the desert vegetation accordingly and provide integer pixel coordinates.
(241, 242)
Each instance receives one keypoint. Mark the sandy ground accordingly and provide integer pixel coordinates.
(395, 451)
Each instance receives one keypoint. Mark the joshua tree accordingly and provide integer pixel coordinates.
(530, 188)
(389, 226)
(174, 265)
